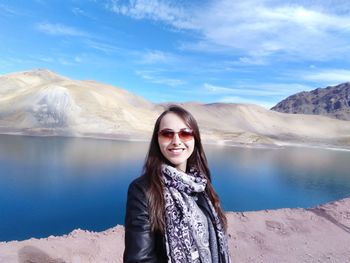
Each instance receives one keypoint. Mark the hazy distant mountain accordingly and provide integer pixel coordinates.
(40, 102)
(331, 101)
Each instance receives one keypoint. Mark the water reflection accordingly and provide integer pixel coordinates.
(252, 179)
(52, 185)
(69, 151)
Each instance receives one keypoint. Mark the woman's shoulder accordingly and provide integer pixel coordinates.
(140, 181)
(137, 201)
(139, 185)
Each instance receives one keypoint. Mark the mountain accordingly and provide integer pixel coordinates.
(333, 101)
(43, 103)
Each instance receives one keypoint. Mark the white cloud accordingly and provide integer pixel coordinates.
(262, 30)
(44, 59)
(101, 46)
(80, 12)
(7, 10)
(156, 56)
(263, 94)
(261, 89)
(156, 77)
(251, 60)
(239, 91)
(78, 59)
(155, 10)
(330, 76)
(90, 40)
(59, 30)
(254, 29)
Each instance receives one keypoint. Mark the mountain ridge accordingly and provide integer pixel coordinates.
(332, 101)
(51, 104)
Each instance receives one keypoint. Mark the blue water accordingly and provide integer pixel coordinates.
(52, 185)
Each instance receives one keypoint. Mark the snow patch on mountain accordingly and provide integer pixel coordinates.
(53, 106)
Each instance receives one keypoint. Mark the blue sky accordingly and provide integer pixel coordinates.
(206, 51)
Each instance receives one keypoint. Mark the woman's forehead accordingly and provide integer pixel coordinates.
(172, 121)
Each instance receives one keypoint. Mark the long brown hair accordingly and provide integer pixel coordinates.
(152, 170)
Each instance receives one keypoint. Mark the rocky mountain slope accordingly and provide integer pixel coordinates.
(332, 101)
(40, 102)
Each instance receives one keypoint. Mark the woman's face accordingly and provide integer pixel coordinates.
(175, 149)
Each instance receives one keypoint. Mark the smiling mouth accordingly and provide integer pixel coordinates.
(177, 150)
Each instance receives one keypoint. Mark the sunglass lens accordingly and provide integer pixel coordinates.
(185, 135)
(167, 134)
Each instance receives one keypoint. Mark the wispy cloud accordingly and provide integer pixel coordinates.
(251, 60)
(264, 94)
(45, 59)
(330, 76)
(237, 99)
(165, 11)
(89, 40)
(60, 30)
(219, 90)
(156, 77)
(56, 59)
(254, 29)
(7, 10)
(261, 89)
(157, 57)
(102, 46)
(7, 63)
(80, 12)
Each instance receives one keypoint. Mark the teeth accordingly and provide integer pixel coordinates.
(176, 150)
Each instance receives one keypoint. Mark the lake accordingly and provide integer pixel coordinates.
(52, 185)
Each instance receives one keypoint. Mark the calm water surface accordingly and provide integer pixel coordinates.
(50, 186)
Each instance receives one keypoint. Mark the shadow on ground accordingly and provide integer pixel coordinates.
(31, 254)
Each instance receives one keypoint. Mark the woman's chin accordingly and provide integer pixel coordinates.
(178, 163)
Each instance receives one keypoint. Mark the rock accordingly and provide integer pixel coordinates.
(333, 101)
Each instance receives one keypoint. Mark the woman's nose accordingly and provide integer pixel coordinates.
(176, 139)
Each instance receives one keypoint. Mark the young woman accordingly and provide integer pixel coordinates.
(173, 213)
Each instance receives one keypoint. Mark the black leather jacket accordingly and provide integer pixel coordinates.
(141, 244)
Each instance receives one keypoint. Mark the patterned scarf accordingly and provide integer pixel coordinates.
(180, 236)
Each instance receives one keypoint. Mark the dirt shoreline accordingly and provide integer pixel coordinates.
(230, 143)
(320, 234)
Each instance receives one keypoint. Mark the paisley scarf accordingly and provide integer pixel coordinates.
(180, 215)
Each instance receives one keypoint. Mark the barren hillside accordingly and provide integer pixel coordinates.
(40, 102)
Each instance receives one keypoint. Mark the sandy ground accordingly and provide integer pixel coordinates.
(320, 234)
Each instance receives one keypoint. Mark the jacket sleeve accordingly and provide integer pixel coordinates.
(139, 239)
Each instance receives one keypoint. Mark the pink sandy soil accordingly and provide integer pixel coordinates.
(320, 234)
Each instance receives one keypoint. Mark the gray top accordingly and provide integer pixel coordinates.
(204, 232)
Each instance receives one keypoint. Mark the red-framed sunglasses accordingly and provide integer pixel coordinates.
(168, 134)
